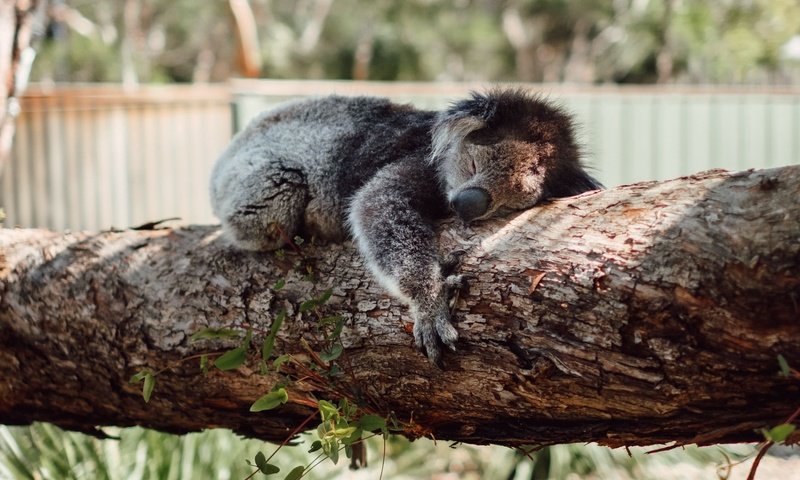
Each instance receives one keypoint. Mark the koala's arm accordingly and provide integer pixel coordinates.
(393, 219)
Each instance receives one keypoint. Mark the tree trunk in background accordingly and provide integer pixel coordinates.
(645, 314)
(524, 38)
(248, 47)
(16, 28)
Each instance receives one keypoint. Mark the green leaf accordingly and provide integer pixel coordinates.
(370, 423)
(344, 432)
(267, 346)
(270, 400)
(354, 437)
(213, 333)
(326, 295)
(347, 409)
(296, 473)
(204, 363)
(276, 364)
(331, 354)
(261, 461)
(784, 366)
(308, 305)
(147, 388)
(779, 433)
(269, 341)
(315, 446)
(277, 322)
(231, 359)
(263, 368)
(322, 429)
(139, 376)
(269, 469)
(333, 453)
(248, 338)
(327, 410)
(337, 329)
(279, 285)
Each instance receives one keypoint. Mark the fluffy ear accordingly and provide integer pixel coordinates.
(568, 181)
(461, 119)
(450, 130)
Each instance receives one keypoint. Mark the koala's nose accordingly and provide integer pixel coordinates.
(471, 203)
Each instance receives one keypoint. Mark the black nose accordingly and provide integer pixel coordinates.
(471, 203)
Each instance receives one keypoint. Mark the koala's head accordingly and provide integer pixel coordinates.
(506, 150)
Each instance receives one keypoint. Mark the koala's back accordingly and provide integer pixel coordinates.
(319, 152)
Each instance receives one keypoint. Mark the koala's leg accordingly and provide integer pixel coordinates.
(261, 208)
(393, 218)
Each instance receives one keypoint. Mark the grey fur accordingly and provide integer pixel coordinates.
(385, 174)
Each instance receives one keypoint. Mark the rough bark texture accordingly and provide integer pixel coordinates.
(645, 314)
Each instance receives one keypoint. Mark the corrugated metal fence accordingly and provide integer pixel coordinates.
(630, 134)
(98, 157)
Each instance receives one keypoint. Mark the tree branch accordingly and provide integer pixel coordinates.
(644, 314)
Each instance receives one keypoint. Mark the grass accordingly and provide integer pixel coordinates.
(43, 451)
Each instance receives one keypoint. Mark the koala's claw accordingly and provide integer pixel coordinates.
(432, 329)
(426, 341)
(455, 282)
(451, 261)
(447, 334)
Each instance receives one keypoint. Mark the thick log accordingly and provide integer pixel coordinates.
(644, 314)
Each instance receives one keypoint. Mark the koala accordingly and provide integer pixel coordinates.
(386, 174)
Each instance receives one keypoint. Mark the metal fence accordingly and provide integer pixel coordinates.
(101, 156)
(629, 134)
(97, 157)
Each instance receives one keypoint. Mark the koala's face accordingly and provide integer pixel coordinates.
(506, 150)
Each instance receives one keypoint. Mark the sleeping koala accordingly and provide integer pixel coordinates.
(385, 174)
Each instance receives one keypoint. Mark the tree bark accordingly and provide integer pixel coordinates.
(648, 313)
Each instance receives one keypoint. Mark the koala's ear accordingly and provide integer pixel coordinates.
(451, 129)
(566, 182)
(483, 136)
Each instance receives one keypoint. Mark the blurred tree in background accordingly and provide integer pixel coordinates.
(579, 41)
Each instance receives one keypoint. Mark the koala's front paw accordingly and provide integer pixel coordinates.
(451, 261)
(432, 327)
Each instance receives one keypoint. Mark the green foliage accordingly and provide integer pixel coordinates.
(263, 466)
(370, 423)
(269, 340)
(232, 359)
(784, 366)
(332, 353)
(46, 452)
(471, 40)
(296, 473)
(276, 364)
(778, 433)
(215, 333)
(271, 400)
(148, 380)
